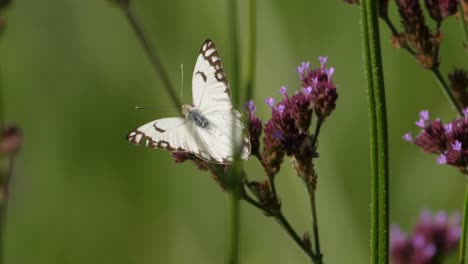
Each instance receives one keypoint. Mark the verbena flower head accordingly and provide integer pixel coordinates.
(449, 141)
(441, 9)
(434, 236)
(317, 84)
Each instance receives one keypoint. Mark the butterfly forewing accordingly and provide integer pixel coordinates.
(209, 85)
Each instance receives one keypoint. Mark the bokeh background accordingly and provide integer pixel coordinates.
(72, 71)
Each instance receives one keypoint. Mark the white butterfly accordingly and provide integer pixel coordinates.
(208, 126)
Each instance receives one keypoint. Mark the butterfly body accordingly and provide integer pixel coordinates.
(212, 128)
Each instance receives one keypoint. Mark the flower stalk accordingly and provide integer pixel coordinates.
(462, 256)
(378, 125)
(150, 51)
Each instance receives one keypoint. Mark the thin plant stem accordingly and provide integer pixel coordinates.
(317, 132)
(4, 206)
(462, 256)
(150, 51)
(252, 50)
(234, 51)
(315, 229)
(443, 84)
(232, 255)
(286, 226)
(379, 136)
(463, 26)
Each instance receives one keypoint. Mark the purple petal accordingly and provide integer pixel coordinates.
(424, 115)
(252, 106)
(407, 137)
(457, 146)
(270, 101)
(280, 108)
(330, 72)
(315, 80)
(323, 60)
(283, 90)
(448, 128)
(429, 251)
(307, 90)
(421, 123)
(277, 134)
(442, 159)
(465, 112)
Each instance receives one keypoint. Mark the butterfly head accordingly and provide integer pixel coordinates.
(186, 109)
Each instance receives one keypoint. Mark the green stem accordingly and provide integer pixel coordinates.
(252, 50)
(150, 51)
(234, 51)
(463, 26)
(379, 137)
(462, 256)
(315, 230)
(232, 255)
(441, 81)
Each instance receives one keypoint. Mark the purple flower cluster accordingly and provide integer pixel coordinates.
(459, 85)
(449, 141)
(434, 236)
(287, 132)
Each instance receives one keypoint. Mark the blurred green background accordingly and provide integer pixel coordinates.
(72, 71)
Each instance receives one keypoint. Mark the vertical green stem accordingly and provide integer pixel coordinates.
(462, 256)
(234, 51)
(252, 50)
(379, 137)
(232, 253)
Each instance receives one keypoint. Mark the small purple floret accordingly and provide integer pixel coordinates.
(252, 106)
(307, 90)
(421, 123)
(270, 102)
(280, 108)
(283, 90)
(442, 159)
(303, 67)
(465, 112)
(330, 72)
(424, 115)
(407, 137)
(448, 128)
(457, 145)
(323, 60)
(277, 134)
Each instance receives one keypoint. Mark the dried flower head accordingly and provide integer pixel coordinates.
(441, 9)
(11, 140)
(459, 85)
(417, 33)
(182, 156)
(266, 197)
(449, 141)
(254, 126)
(434, 236)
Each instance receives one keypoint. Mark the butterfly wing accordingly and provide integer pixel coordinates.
(209, 85)
(219, 136)
(173, 134)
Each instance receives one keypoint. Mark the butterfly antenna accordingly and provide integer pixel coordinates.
(150, 107)
(182, 81)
